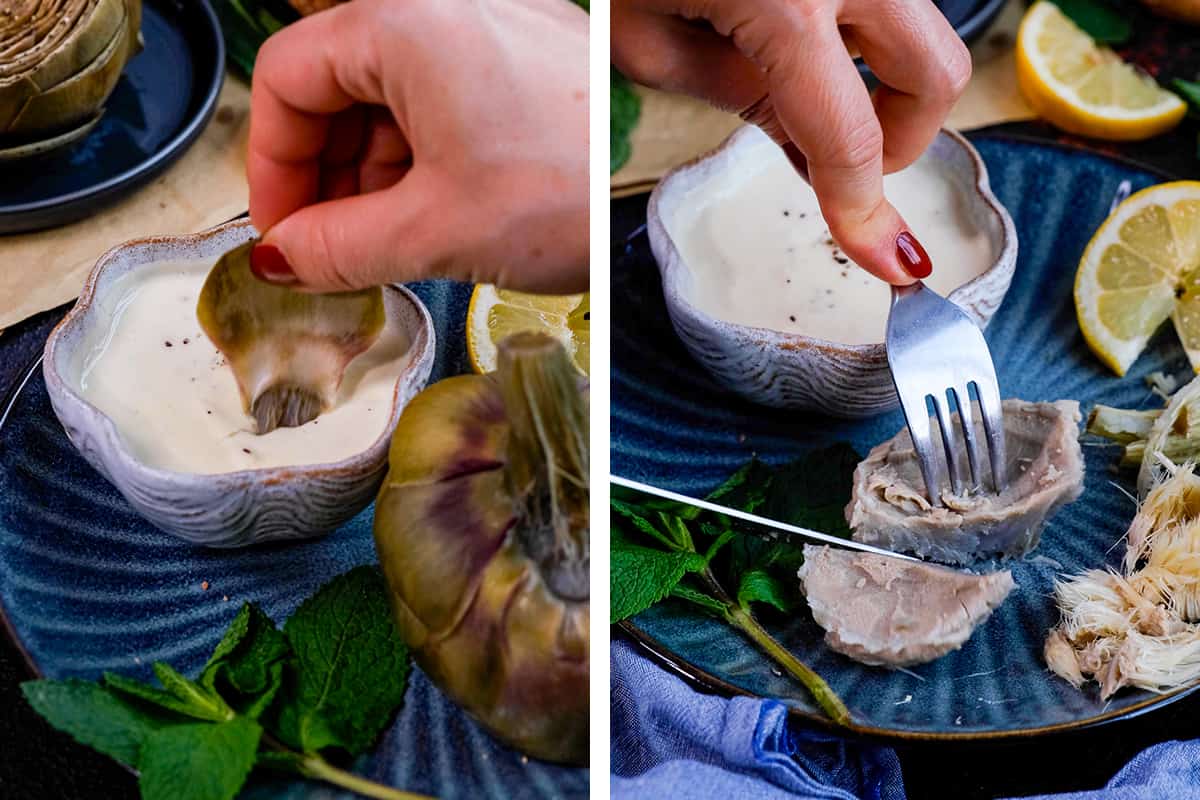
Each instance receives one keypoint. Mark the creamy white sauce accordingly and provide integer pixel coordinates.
(760, 253)
(175, 401)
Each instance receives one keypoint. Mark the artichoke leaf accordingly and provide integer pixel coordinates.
(288, 349)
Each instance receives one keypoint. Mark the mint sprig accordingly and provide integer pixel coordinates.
(1099, 19)
(665, 550)
(625, 107)
(285, 700)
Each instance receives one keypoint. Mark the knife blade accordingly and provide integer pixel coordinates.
(743, 521)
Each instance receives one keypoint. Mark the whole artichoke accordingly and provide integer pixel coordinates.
(482, 531)
(59, 62)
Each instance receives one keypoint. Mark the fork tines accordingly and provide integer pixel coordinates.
(936, 353)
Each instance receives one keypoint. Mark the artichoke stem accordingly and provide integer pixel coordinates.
(547, 459)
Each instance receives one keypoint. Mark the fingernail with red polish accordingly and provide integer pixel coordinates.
(912, 256)
(268, 265)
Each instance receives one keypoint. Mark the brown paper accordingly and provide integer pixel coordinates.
(206, 186)
(674, 129)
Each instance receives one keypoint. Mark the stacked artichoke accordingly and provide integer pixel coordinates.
(59, 62)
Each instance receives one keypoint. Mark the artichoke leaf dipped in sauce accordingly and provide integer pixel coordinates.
(482, 531)
(288, 349)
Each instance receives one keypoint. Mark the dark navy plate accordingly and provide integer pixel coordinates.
(970, 17)
(159, 107)
(87, 585)
(674, 427)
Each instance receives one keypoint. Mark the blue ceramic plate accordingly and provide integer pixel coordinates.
(674, 427)
(88, 586)
(159, 107)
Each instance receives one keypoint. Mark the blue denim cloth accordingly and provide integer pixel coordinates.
(667, 737)
(1167, 771)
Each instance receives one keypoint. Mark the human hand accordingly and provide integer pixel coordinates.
(787, 66)
(394, 140)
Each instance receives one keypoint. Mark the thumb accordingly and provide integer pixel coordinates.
(866, 225)
(387, 236)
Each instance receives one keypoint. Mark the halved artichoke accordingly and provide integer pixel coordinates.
(59, 62)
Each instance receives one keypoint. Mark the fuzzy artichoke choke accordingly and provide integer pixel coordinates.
(482, 531)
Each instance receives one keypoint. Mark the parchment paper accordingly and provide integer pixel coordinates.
(674, 128)
(206, 186)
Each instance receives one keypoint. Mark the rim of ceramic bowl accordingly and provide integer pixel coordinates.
(417, 370)
(873, 353)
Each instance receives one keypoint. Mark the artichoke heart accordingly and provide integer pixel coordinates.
(482, 532)
(59, 62)
(288, 349)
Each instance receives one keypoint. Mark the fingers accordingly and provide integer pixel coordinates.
(922, 63)
(834, 124)
(368, 239)
(300, 90)
(670, 53)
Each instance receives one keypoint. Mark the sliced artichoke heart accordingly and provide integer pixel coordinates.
(288, 349)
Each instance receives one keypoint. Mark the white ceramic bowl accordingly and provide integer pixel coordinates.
(788, 370)
(235, 508)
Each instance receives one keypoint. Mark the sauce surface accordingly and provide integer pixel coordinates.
(761, 255)
(175, 401)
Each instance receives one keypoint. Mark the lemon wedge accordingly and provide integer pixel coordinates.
(1083, 88)
(1140, 268)
(494, 314)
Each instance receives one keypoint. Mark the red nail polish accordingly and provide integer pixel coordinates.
(268, 265)
(912, 256)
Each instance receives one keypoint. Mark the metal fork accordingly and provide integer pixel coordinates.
(936, 352)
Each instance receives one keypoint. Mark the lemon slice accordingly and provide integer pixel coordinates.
(1084, 88)
(496, 313)
(1141, 267)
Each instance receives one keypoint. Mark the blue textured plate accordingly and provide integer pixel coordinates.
(159, 107)
(674, 427)
(88, 586)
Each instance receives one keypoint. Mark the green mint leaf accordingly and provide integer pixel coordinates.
(745, 489)
(93, 716)
(253, 705)
(813, 491)
(198, 761)
(641, 576)
(696, 597)
(1189, 91)
(351, 667)
(245, 656)
(234, 634)
(204, 703)
(624, 110)
(721, 539)
(760, 586)
(637, 518)
(1101, 21)
(136, 690)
